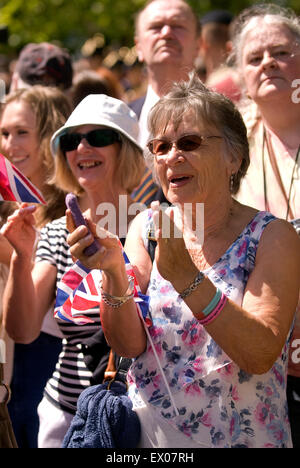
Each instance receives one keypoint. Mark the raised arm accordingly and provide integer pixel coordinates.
(122, 326)
(252, 335)
(30, 288)
(5, 251)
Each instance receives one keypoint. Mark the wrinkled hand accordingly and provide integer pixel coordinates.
(19, 230)
(109, 256)
(173, 260)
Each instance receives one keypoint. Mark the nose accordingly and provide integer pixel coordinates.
(83, 145)
(268, 61)
(174, 156)
(166, 30)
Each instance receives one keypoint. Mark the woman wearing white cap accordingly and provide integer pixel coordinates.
(98, 158)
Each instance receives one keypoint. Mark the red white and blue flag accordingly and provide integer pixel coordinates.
(14, 186)
(79, 290)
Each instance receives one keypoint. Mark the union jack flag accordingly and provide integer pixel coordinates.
(79, 290)
(14, 186)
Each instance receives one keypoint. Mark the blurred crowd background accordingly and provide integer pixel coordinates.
(98, 35)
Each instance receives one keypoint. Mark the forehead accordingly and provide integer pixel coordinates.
(263, 35)
(162, 10)
(18, 112)
(187, 122)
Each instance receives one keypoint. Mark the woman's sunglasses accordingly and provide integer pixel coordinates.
(98, 138)
(161, 147)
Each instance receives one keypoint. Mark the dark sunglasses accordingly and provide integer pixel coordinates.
(160, 147)
(98, 138)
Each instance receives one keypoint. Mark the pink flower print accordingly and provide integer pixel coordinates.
(253, 226)
(156, 381)
(156, 332)
(192, 333)
(268, 391)
(165, 289)
(235, 394)
(198, 365)
(278, 375)
(242, 248)
(192, 389)
(277, 431)
(261, 413)
(206, 420)
(225, 371)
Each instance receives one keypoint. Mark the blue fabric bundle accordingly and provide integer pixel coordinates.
(104, 419)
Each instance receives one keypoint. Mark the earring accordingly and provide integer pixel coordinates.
(231, 183)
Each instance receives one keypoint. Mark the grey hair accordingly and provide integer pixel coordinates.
(213, 109)
(244, 22)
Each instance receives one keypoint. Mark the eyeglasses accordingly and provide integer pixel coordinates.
(97, 138)
(160, 146)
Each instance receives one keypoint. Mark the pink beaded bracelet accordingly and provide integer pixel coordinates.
(216, 311)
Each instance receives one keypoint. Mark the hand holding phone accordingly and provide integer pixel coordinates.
(72, 204)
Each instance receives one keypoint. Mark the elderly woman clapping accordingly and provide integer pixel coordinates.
(221, 303)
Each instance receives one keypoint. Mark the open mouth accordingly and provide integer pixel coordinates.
(89, 164)
(179, 180)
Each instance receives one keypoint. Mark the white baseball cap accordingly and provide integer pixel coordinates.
(100, 109)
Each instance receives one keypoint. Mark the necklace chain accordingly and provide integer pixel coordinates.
(277, 173)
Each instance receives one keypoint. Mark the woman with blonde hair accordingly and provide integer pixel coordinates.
(28, 119)
(97, 157)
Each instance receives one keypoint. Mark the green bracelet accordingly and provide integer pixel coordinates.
(210, 307)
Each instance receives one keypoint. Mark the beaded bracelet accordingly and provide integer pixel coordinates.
(118, 300)
(199, 278)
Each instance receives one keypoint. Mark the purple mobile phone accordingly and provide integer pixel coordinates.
(72, 204)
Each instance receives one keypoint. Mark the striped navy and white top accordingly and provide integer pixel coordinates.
(71, 375)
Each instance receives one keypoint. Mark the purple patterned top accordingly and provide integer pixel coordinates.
(218, 404)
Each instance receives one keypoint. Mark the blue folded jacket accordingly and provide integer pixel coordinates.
(104, 419)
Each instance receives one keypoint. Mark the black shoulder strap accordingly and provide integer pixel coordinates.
(152, 242)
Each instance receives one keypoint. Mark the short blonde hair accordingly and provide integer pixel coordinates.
(130, 168)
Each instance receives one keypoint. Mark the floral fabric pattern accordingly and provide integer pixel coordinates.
(218, 404)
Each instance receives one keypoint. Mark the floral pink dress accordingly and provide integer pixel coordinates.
(198, 389)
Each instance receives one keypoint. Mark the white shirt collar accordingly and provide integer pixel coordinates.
(150, 100)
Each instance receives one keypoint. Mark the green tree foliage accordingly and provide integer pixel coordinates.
(70, 23)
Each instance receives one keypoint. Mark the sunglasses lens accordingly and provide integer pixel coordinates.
(102, 137)
(185, 143)
(69, 141)
(159, 147)
(97, 138)
(189, 143)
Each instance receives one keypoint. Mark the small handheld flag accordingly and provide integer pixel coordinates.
(14, 186)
